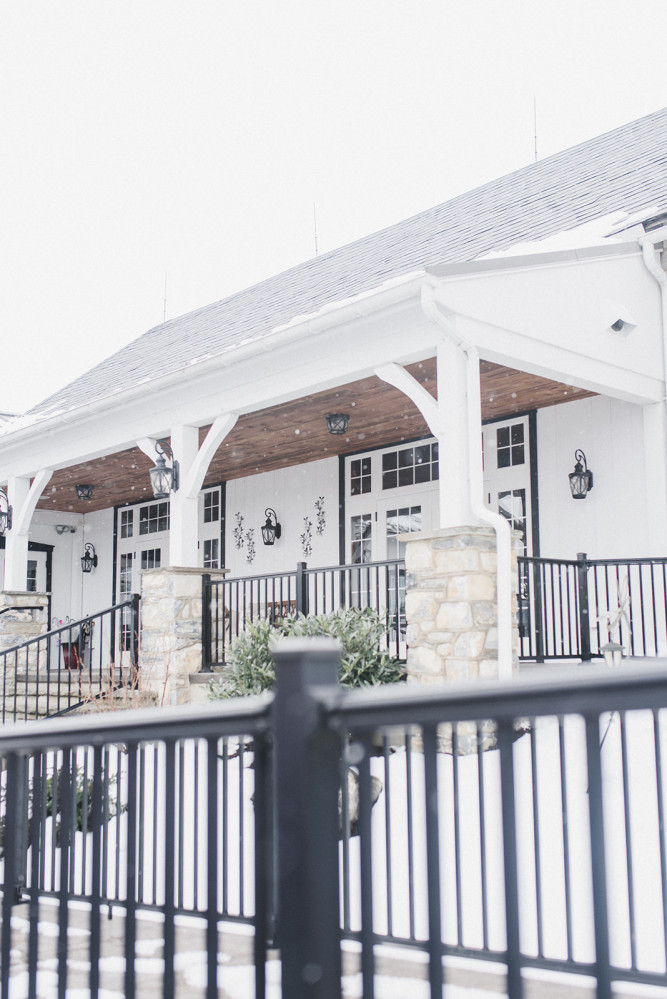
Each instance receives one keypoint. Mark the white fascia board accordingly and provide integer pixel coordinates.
(270, 373)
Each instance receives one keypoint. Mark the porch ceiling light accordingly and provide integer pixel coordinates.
(6, 513)
(581, 479)
(271, 530)
(89, 558)
(337, 422)
(84, 492)
(164, 480)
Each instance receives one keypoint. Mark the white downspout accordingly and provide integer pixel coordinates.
(495, 520)
(648, 244)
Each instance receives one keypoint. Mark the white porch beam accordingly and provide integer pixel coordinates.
(23, 497)
(222, 426)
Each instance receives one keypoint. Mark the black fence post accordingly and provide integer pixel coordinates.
(206, 651)
(135, 634)
(307, 784)
(584, 622)
(301, 589)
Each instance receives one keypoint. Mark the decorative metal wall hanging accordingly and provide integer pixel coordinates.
(250, 545)
(307, 537)
(238, 531)
(321, 518)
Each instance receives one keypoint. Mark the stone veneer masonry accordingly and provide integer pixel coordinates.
(19, 621)
(451, 606)
(171, 623)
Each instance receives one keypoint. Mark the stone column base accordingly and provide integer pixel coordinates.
(171, 631)
(22, 616)
(451, 605)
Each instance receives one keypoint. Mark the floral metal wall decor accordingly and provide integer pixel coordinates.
(321, 518)
(250, 545)
(307, 537)
(238, 531)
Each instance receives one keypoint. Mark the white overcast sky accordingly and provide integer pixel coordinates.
(191, 138)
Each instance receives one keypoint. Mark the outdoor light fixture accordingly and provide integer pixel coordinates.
(6, 514)
(271, 529)
(84, 492)
(65, 529)
(164, 480)
(581, 480)
(89, 558)
(337, 422)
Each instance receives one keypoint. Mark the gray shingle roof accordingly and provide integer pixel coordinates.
(622, 170)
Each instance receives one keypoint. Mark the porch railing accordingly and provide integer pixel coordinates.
(571, 608)
(521, 824)
(230, 603)
(70, 665)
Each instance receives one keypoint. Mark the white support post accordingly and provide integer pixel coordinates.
(455, 452)
(655, 465)
(183, 511)
(16, 540)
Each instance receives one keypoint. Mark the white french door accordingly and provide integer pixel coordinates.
(507, 474)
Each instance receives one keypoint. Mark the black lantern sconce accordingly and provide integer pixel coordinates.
(581, 479)
(84, 492)
(164, 480)
(6, 514)
(89, 558)
(271, 530)
(337, 423)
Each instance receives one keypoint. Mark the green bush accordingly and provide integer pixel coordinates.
(359, 632)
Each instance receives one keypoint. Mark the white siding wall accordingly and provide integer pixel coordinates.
(612, 521)
(292, 492)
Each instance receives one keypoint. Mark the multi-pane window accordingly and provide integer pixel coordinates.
(125, 575)
(154, 518)
(126, 523)
(512, 505)
(510, 445)
(360, 476)
(150, 558)
(211, 553)
(410, 465)
(361, 538)
(211, 507)
(31, 578)
(403, 521)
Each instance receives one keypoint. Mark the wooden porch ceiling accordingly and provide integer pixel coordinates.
(296, 432)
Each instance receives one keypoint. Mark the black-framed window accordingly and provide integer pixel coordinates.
(512, 505)
(410, 466)
(151, 558)
(154, 518)
(31, 576)
(361, 538)
(211, 507)
(211, 553)
(360, 476)
(126, 523)
(510, 445)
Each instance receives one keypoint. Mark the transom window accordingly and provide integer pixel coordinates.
(211, 507)
(510, 445)
(410, 465)
(126, 523)
(360, 476)
(31, 578)
(154, 518)
(150, 558)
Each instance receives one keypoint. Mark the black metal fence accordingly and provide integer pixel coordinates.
(229, 604)
(76, 662)
(570, 609)
(520, 824)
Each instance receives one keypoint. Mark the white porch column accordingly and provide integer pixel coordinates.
(183, 511)
(655, 464)
(23, 499)
(454, 436)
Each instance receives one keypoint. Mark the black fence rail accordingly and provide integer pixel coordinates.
(74, 663)
(520, 824)
(571, 609)
(229, 604)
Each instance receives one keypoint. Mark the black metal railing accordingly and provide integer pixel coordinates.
(229, 604)
(572, 608)
(520, 823)
(74, 663)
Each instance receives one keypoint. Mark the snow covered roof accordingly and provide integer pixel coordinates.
(622, 170)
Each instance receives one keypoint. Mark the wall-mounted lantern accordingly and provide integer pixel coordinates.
(164, 480)
(581, 479)
(337, 422)
(84, 492)
(6, 513)
(89, 558)
(271, 530)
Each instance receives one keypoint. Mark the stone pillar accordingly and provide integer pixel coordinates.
(171, 631)
(451, 607)
(19, 620)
